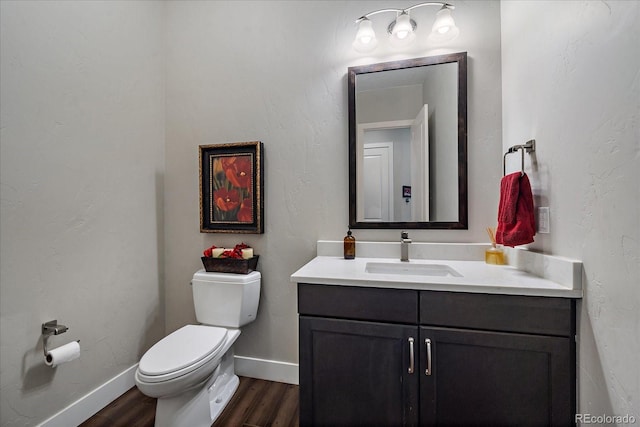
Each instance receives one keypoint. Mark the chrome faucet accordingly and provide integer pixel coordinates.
(404, 246)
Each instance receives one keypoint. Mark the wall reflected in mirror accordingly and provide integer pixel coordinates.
(407, 124)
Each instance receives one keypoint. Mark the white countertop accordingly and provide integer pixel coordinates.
(563, 275)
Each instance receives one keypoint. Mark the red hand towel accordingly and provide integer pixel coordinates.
(516, 222)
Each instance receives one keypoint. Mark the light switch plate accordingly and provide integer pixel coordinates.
(543, 220)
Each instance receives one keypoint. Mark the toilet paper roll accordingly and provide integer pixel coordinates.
(62, 354)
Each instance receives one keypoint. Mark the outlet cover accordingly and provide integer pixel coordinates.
(543, 220)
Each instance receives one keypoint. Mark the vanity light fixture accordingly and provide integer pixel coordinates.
(402, 29)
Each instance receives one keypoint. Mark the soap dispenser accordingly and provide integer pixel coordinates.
(349, 246)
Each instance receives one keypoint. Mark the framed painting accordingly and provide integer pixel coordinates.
(231, 193)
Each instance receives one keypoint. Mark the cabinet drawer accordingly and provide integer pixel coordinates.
(509, 313)
(359, 303)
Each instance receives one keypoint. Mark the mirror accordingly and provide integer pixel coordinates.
(408, 143)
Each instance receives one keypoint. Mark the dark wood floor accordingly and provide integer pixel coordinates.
(257, 403)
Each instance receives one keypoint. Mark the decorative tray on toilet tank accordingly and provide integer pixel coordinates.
(230, 265)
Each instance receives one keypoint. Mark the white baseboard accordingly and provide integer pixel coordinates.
(88, 405)
(85, 407)
(263, 369)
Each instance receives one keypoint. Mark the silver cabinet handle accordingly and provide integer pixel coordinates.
(428, 344)
(411, 358)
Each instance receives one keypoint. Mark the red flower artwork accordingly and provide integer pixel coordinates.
(231, 182)
(232, 188)
(246, 210)
(226, 200)
(238, 171)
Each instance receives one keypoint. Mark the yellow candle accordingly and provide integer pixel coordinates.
(247, 253)
(215, 253)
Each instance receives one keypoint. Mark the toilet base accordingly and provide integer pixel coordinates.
(201, 405)
(221, 396)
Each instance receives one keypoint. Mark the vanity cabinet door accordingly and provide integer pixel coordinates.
(356, 373)
(495, 378)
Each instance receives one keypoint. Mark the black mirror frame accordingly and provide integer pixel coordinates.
(463, 220)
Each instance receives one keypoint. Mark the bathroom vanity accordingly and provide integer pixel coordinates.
(441, 340)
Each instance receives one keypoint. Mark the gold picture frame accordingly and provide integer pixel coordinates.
(231, 188)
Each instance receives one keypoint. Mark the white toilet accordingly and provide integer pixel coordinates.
(191, 371)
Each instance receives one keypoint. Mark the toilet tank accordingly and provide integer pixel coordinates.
(226, 299)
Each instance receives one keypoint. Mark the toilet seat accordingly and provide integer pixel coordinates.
(181, 352)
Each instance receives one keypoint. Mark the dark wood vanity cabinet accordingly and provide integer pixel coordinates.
(357, 375)
(391, 357)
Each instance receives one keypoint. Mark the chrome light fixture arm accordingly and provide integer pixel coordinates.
(432, 3)
(375, 12)
(398, 11)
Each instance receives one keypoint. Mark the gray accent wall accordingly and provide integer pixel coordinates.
(82, 92)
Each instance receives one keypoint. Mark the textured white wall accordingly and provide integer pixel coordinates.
(82, 158)
(276, 72)
(571, 80)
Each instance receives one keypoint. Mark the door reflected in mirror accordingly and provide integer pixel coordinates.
(407, 129)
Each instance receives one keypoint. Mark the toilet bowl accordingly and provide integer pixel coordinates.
(191, 371)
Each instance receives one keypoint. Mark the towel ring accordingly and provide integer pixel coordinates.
(529, 146)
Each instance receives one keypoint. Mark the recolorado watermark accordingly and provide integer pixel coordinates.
(605, 419)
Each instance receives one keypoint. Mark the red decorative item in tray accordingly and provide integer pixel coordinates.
(230, 265)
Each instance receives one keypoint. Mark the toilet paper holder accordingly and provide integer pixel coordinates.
(51, 328)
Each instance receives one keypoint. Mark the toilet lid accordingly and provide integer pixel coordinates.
(181, 349)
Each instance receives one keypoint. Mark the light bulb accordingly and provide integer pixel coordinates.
(365, 37)
(444, 28)
(403, 28)
(402, 31)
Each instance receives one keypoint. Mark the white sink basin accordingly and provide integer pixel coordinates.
(440, 270)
